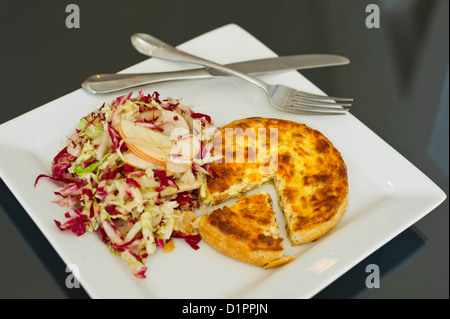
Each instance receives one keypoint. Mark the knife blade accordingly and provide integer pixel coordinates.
(107, 83)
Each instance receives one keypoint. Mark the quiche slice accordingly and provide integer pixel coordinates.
(309, 173)
(246, 231)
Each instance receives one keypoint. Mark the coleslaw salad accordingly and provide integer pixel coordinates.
(131, 172)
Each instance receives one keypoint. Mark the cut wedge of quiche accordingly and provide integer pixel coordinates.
(246, 231)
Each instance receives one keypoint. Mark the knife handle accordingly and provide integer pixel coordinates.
(107, 83)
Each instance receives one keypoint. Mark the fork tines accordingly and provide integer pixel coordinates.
(312, 103)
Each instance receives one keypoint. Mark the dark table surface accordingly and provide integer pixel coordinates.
(398, 76)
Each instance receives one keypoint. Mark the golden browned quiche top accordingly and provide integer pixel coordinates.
(309, 173)
(250, 220)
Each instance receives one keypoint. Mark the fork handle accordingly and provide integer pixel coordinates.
(151, 46)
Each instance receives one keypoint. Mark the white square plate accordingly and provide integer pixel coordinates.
(387, 194)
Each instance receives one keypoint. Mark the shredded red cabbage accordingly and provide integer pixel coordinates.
(115, 136)
(132, 182)
(159, 242)
(77, 225)
(192, 240)
(111, 210)
(162, 176)
(187, 199)
(73, 189)
(56, 179)
(200, 115)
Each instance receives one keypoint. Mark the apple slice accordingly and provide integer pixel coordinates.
(146, 143)
(177, 168)
(185, 149)
(142, 149)
(131, 142)
(130, 129)
(138, 162)
(170, 120)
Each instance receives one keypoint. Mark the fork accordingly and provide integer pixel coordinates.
(280, 96)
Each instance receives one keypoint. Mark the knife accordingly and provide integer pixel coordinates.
(107, 83)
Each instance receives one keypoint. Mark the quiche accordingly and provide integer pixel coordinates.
(308, 172)
(246, 231)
